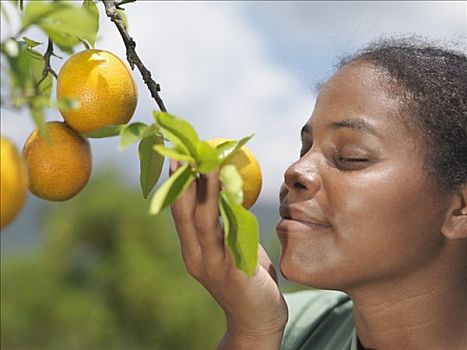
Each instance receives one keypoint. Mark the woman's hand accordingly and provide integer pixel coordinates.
(255, 310)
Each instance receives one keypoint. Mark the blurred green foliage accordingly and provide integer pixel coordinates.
(110, 277)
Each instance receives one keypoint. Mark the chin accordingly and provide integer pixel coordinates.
(319, 276)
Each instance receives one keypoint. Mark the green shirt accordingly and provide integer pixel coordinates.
(319, 320)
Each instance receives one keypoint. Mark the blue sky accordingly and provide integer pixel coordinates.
(236, 68)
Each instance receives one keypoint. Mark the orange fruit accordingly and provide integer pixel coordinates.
(14, 182)
(104, 87)
(248, 167)
(60, 167)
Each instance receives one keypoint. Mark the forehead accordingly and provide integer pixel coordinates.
(357, 91)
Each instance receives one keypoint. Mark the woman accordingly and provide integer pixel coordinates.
(376, 207)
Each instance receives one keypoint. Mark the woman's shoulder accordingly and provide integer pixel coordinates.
(319, 319)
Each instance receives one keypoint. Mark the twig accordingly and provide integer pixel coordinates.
(47, 68)
(122, 2)
(85, 43)
(132, 57)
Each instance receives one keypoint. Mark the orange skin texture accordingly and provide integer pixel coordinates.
(14, 182)
(104, 87)
(59, 168)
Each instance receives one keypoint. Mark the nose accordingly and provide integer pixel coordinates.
(303, 176)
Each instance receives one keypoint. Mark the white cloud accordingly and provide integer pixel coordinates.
(356, 22)
(215, 72)
(214, 65)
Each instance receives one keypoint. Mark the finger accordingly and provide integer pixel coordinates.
(173, 166)
(266, 263)
(207, 216)
(183, 210)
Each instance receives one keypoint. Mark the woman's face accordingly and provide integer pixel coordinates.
(356, 206)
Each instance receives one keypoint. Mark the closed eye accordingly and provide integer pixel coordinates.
(345, 159)
(351, 163)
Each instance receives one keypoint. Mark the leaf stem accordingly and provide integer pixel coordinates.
(132, 57)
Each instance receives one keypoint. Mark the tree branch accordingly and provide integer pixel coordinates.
(132, 57)
(47, 68)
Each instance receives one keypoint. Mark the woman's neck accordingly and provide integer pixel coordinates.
(428, 311)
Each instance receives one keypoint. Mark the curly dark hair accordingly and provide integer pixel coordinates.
(431, 83)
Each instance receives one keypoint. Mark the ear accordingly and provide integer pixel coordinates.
(455, 226)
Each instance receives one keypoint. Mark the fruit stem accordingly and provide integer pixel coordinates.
(85, 44)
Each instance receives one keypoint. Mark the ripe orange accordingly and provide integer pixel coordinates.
(60, 167)
(104, 87)
(14, 182)
(249, 169)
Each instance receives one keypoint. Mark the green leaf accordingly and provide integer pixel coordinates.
(36, 109)
(228, 148)
(172, 153)
(242, 234)
(172, 188)
(31, 43)
(106, 131)
(20, 72)
(37, 64)
(92, 9)
(67, 26)
(151, 130)
(179, 132)
(150, 162)
(131, 133)
(226, 216)
(45, 88)
(187, 146)
(35, 11)
(35, 54)
(64, 23)
(232, 183)
(207, 157)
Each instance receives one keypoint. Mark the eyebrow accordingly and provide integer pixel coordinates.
(357, 124)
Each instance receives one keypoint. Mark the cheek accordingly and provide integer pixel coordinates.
(384, 210)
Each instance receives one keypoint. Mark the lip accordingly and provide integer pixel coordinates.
(291, 225)
(306, 215)
(295, 218)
